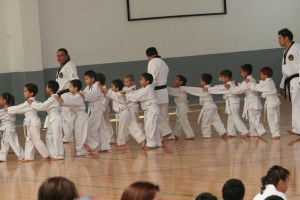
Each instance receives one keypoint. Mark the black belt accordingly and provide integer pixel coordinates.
(287, 85)
(160, 87)
(63, 91)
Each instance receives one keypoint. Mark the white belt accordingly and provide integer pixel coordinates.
(227, 108)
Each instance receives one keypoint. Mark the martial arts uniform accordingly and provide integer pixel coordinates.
(96, 139)
(272, 103)
(76, 103)
(159, 70)
(32, 125)
(64, 75)
(106, 126)
(209, 112)
(269, 191)
(148, 101)
(135, 124)
(182, 121)
(232, 109)
(123, 118)
(290, 82)
(252, 107)
(54, 126)
(9, 136)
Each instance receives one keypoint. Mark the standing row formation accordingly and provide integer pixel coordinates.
(93, 132)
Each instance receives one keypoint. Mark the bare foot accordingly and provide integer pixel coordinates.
(122, 147)
(224, 135)
(245, 135)
(275, 137)
(231, 136)
(47, 159)
(166, 137)
(192, 138)
(143, 144)
(261, 135)
(293, 133)
(25, 160)
(149, 148)
(57, 159)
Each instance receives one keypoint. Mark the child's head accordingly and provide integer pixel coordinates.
(57, 188)
(52, 87)
(226, 76)
(206, 196)
(274, 197)
(101, 78)
(233, 189)
(277, 176)
(117, 85)
(90, 77)
(179, 80)
(7, 99)
(246, 70)
(129, 80)
(206, 79)
(146, 79)
(75, 86)
(141, 190)
(30, 90)
(266, 72)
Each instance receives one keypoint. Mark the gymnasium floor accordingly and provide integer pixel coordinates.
(182, 169)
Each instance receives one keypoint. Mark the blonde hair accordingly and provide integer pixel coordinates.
(129, 76)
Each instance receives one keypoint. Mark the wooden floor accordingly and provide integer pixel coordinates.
(182, 169)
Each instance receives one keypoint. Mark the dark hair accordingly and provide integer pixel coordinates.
(286, 33)
(76, 83)
(247, 68)
(32, 88)
(226, 73)
(64, 50)
(207, 78)
(101, 78)
(53, 85)
(151, 51)
(233, 189)
(148, 77)
(267, 71)
(91, 74)
(274, 197)
(274, 175)
(118, 84)
(9, 98)
(57, 188)
(140, 190)
(206, 196)
(183, 79)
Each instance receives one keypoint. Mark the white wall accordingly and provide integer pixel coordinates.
(97, 31)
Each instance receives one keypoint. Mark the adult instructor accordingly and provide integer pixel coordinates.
(290, 83)
(66, 72)
(160, 70)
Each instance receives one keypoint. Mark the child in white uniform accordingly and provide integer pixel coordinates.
(135, 124)
(276, 182)
(272, 103)
(123, 115)
(252, 104)
(73, 100)
(180, 99)
(106, 126)
(32, 125)
(148, 101)
(8, 129)
(209, 113)
(96, 139)
(232, 108)
(54, 132)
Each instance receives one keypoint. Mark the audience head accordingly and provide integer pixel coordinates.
(58, 188)
(146, 79)
(266, 72)
(117, 85)
(90, 77)
(277, 176)
(101, 78)
(179, 80)
(206, 79)
(141, 191)
(7, 99)
(274, 197)
(52, 87)
(246, 70)
(206, 196)
(129, 80)
(225, 76)
(75, 86)
(233, 189)
(30, 90)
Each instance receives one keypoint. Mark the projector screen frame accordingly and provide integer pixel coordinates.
(174, 16)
